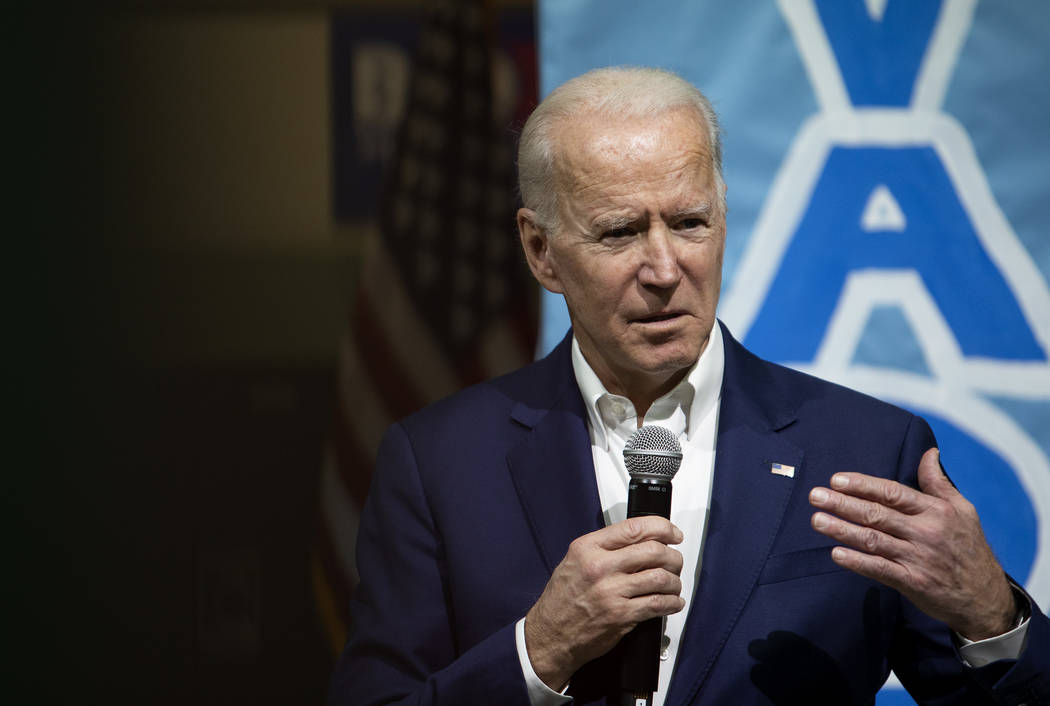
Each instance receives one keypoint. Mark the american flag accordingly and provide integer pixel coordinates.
(444, 299)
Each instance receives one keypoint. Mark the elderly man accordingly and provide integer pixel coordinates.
(496, 564)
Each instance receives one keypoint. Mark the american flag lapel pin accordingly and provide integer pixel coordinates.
(781, 470)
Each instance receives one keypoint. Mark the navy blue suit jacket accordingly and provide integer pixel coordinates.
(476, 499)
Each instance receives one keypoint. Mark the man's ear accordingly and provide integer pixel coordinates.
(534, 241)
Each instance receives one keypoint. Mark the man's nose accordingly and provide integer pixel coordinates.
(660, 265)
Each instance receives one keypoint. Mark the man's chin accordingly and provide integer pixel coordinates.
(679, 349)
(669, 364)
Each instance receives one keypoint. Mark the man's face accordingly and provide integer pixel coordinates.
(638, 250)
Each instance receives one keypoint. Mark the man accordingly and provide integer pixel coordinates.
(496, 565)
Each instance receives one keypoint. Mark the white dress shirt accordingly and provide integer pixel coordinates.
(690, 411)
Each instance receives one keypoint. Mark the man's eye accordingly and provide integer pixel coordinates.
(618, 233)
(691, 223)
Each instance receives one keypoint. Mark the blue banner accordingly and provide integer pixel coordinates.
(887, 229)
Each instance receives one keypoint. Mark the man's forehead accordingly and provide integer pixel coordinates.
(591, 132)
(632, 153)
(593, 141)
(624, 143)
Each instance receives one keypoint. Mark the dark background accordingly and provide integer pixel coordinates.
(175, 295)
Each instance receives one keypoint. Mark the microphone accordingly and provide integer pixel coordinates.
(652, 456)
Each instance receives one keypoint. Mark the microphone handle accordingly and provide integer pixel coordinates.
(640, 648)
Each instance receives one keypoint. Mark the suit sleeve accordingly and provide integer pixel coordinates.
(933, 674)
(403, 647)
(1026, 680)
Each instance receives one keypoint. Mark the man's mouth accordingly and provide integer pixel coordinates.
(656, 318)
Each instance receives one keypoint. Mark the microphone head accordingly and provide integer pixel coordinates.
(652, 452)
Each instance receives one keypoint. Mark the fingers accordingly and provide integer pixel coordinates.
(883, 505)
(932, 479)
(648, 555)
(646, 567)
(608, 582)
(595, 561)
(667, 587)
(635, 559)
(868, 513)
(873, 567)
(925, 543)
(655, 605)
(646, 572)
(635, 530)
(873, 515)
(882, 491)
(865, 538)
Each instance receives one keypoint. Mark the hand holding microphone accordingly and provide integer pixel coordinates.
(612, 579)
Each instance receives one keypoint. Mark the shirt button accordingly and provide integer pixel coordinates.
(664, 654)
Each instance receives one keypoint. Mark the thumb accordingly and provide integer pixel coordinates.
(932, 478)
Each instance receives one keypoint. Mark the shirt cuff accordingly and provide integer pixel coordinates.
(984, 652)
(539, 693)
(1009, 645)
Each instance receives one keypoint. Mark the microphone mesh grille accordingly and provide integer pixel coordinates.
(652, 451)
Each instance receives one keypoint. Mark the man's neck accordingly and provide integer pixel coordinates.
(641, 390)
(643, 398)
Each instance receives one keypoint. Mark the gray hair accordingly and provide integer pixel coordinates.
(623, 91)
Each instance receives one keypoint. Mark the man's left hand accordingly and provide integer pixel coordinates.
(925, 543)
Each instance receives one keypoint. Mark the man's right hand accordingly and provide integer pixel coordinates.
(609, 581)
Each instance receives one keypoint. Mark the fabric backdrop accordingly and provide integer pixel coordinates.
(887, 164)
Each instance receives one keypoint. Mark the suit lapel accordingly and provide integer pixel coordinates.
(552, 469)
(747, 505)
